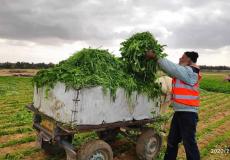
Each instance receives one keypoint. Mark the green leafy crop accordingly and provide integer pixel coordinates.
(133, 53)
(97, 67)
(88, 68)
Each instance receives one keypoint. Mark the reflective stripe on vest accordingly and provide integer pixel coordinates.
(185, 97)
(184, 93)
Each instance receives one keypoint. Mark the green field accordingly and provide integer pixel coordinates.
(18, 139)
(215, 82)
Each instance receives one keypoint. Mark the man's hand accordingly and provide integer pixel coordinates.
(150, 55)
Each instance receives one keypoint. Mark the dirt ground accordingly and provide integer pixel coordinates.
(18, 72)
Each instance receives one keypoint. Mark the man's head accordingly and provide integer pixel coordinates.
(188, 58)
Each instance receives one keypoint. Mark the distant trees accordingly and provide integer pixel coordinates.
(204, 67)
(25, 65)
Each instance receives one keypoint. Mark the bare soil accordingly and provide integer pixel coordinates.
(18, 72)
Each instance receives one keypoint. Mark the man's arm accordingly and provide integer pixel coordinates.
(174, 70)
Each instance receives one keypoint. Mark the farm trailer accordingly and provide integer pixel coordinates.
(59, 114)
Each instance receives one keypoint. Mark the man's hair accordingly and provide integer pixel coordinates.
(192, 55)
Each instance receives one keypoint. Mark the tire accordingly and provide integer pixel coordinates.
(94, 150)
(108, 136)
(148, 145)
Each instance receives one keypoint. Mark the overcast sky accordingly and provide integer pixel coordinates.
(52, 30)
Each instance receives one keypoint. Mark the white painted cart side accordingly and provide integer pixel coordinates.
(90, 106)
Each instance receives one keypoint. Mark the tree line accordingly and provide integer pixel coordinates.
(26, 65)
(204, 67)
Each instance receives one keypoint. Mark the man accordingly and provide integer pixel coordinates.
(185, 102)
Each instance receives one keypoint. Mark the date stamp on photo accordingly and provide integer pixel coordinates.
(220, 150)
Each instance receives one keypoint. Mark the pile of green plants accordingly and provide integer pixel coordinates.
(134, 51)
(88, 68)
(97, 67)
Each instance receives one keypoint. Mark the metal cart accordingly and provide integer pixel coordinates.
(55, 137)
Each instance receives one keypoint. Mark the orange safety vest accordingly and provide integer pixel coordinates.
(184, 93)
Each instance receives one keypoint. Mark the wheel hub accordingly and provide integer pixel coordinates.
(98, 156)
(151, 146)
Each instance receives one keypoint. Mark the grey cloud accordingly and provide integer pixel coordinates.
(205, 30)
(67, 21)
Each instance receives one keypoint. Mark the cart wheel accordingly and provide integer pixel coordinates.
(108, 135)
(148, 145)
(95, 150)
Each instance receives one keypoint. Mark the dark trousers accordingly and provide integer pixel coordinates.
(183, 128)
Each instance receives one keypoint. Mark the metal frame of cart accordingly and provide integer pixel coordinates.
(54, 137)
